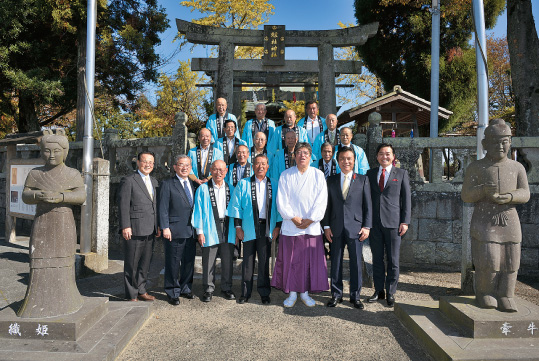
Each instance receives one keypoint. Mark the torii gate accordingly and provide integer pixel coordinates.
(274, 39)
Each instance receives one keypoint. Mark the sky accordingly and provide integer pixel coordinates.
(294, 14)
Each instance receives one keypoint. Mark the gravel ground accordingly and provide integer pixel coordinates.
(225, 330)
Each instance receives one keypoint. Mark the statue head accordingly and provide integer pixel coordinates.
(497, 141)
(54, 147)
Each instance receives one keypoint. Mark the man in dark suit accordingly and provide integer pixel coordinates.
(137, 211)
(176, 196)
(392, 208)
(347, 222)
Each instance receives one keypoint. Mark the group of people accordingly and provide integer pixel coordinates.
(298, 184)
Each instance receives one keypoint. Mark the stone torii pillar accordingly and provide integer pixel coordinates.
(324, 40)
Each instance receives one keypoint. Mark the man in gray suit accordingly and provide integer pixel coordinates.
(392, 208)
(176, 196)
(137, 211)
(347, 223)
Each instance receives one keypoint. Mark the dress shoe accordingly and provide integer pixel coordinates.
(333, 301)
(189, 295)
(243, 300)
(146, 297)
(174, 301)
(266, 300)
(390, 300)
(357, 304)
(378, 295)
(228, 295)
(206, 297)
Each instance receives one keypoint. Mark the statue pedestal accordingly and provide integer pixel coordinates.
(456, 329)
(98, 331)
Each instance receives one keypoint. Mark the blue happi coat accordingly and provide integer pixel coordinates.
(203, 217)
(276, 142)
(241, 206)
(211, 124)
(230, 178)
(361, 164)
(301, 124)
(316, 164)
(278, 164)
(247, 135)
(217, 155)
(319, 141)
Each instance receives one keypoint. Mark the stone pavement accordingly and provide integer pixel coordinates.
(223, 329)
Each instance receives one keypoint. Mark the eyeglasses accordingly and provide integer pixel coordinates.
(303, 153)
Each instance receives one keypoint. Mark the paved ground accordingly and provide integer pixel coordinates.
(223, 329)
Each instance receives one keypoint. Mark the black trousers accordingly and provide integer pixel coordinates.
(262, 248)
(355, 249)
(385, 241)
(137, 257)
(179, 259)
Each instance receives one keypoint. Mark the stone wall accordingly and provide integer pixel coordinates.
(435, 237)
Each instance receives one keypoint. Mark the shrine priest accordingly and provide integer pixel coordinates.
(215, 231)
(216, 122)
(301, 201)
(254, 208)
(284, 158)
(330, 135)
(229, 142)
(361, 165)
(276, 142)
(260, 124)
(260, 147)
(312, 123)
(202, 157)
(327, 164)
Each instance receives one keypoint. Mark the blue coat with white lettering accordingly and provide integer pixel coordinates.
(241, 206)
(203, 218)
(247, 135)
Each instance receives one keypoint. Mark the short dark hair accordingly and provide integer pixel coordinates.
(301, 145)
(311, 102)
(146, 152)
(231, 121)
(346, 149)
(383, 145)
(327, 144)
(261, 156)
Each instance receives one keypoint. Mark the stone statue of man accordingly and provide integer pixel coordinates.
(52, 290)
(495, 184)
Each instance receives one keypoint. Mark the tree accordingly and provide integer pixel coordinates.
(365, 84)
(38, 54)
(400, 52)
(524, 55)
(501, 98)
(176, 94)
(237, 14)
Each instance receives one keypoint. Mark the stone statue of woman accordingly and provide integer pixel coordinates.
(496, 184)
(52, 290)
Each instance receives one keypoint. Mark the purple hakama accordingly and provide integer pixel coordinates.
(301, 264)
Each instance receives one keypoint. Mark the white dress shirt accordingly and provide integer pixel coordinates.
(230, 144)
(203, 156)
(313, 128)
(149, 181)
(349, 176)
(183, 181)
(386, 176)
(261, 197)
(220, 198)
